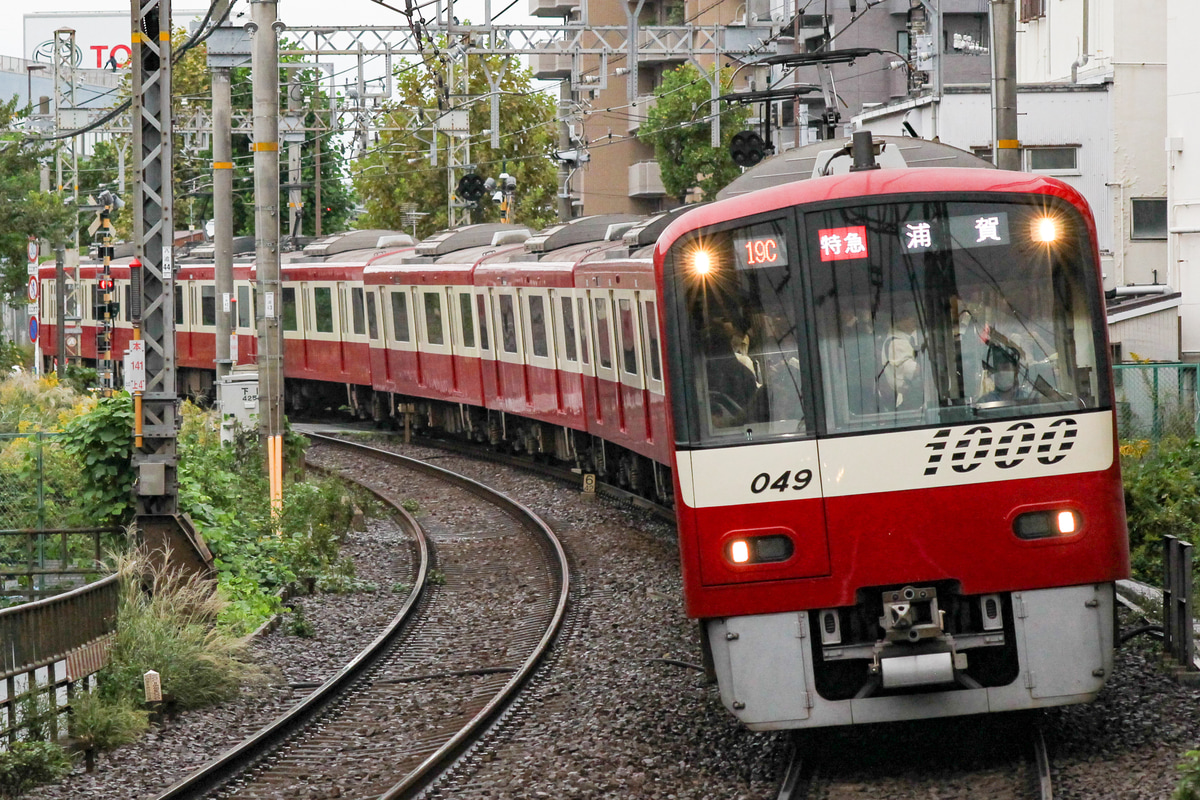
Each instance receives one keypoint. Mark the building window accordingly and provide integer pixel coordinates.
(1149, 218)
(1053, 159)
(1032, 9)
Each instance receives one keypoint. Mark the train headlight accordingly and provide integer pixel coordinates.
(1045, 230)
(739, 551)
(1046, 524)
(702, 262)
(759, 549)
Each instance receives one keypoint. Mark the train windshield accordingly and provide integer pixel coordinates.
(926, 312)
(947, 312)
(740, 288)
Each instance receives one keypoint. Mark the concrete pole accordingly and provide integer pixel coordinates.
(317, 188)
(564, 144)
(223, 213)
(1007, 147)
(265, 62)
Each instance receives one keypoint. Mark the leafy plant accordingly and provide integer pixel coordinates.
(1188, 787)
(299, 625)
(104, 723)
(28, 764)
(1162, 496)
(435, 577)
(684, 150)
(102, 443)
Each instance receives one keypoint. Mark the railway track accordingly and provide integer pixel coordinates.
(830, 770)
(372, 729)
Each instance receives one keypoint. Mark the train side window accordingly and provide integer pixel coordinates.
(433, 318)
(356, 309)
(243, 307)
(372, 324)
(289, 308)
(585, 344)
(537, 325)
(650, 325)
(568, 316)
(400, 316)
(208, 305)
(603, 334)
(468, 320)
(323, 308)
(628, 337)
(508, 323)
(179, 307)
(481, 305)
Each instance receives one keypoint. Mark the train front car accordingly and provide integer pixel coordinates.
(897, 484)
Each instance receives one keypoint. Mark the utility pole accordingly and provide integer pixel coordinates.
(265, 61)
(223, 213)
(564, 144)
(1006, 147)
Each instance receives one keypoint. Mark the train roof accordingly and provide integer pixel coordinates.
(832, 156)
(864, 184)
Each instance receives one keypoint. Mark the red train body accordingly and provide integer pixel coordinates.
(880, 402)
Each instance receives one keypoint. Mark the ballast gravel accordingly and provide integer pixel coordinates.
(613, 716)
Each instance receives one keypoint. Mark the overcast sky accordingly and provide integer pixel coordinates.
(292, 12)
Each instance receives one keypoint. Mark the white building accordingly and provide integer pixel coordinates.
(1092, 105)
(1182, 147)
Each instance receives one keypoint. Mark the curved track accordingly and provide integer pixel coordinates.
(355, 733)
(811, 774)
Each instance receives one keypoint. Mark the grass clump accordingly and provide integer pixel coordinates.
(167, 623)
(106, 723)
(28, 764)
(1162, 497)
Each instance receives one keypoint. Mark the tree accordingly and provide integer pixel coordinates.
(682, 148)
(396, 171)
(24, 210)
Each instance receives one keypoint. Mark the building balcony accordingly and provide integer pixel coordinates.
(658, 45)
(645, 180)
(548, 66)
(552, 8)
(640, 111)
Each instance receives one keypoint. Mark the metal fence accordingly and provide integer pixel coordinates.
(1156, 401)
(48, 543)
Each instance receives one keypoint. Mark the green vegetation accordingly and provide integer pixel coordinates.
(28, 764)
(395, 171)
(683, 148)
(103, 723)
(1162, 497)
(1188, 787)
(167, 622)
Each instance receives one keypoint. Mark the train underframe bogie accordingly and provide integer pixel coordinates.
(900, 654)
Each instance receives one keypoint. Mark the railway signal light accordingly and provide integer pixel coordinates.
(747, 148)
(105, 283)
(470, 187)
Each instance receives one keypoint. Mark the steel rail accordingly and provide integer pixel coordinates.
(216, 772)
(448, 753)
(1042, 762)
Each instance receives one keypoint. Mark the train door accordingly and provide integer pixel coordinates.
(608, 397)
(587, 360)
(631, 386)
(510, 362)
(542, 394)
(566, 333)
(488, 375)
(466, 342)
(654, 397)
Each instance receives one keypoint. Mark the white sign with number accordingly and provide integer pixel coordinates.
(166, 264)
(135, 366)
(269, 310)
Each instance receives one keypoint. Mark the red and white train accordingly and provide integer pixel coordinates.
(880, 402)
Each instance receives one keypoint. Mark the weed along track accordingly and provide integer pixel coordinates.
(488, 599)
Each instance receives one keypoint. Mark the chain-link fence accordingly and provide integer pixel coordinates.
(1156, 401)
